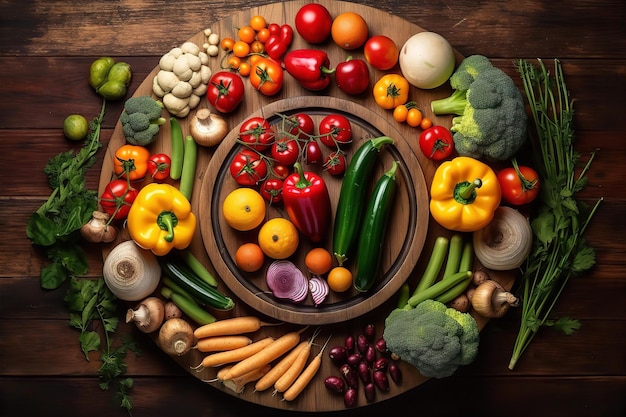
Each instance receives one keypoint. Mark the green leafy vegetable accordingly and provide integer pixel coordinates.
(56, 224)
(560, 251)
(90, 303)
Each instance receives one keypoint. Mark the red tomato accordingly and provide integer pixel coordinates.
(303, 125)
(521, 187)
(313, 23)
(312, 153)
(117, 198)
(285, 151)
(436, 143)
(272, 190)
(335, 163)
(257, 133)
(159, 166)
(267, 76)
(381, 52)
(335, 130)
(225, 91)
(248, 168)
(352, 76)
(280, 171)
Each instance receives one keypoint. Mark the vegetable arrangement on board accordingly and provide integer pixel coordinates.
(476, 195)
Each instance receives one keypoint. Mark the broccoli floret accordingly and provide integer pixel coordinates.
(432, 337)
(141, 120)
(492, 120)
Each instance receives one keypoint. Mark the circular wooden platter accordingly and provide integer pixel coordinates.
(405, 235)
(411, 231)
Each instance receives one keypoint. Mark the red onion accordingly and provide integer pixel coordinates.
(319, 289)
(287, 281)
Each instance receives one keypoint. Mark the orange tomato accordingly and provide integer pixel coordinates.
(257, 47)
(426, 123)
(278, 238)
(414, 117)
(257, 23)
(349, 30)
(339, 279)
(400, 113)
(234, 62)
(249, 257)
(318, 261)
(244, 69)
(243, 209)
(227, 44)
(267, 76)
(246, 34)
(263, 35)
(391, 90)
(241, 49)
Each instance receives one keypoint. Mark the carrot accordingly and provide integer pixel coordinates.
(235, 355)
(290, 375)
(306, 376)
(279, 369)
(238, 384)
(233, 326)
(221, 343)
(273, 351)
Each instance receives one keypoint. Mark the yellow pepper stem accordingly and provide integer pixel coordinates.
(167, 221)
(465, 192)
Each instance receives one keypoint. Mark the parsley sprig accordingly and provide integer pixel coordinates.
(560, 250)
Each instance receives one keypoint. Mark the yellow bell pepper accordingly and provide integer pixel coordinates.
(161, 219)
(464, 195)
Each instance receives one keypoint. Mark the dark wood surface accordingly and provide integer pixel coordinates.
(45, 49)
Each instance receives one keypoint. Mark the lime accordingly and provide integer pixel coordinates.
(75, 127)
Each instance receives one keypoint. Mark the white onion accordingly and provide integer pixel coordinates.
(130, 272)
(286, 281)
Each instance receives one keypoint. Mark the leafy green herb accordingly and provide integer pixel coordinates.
(56, 224)
(560, 251)
(93, 311)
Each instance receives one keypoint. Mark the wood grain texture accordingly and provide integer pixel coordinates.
(45, 49)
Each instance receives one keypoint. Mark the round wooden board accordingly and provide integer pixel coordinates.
(316, 397)
(405, 234)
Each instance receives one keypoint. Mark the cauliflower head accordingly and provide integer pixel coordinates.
(432, 337)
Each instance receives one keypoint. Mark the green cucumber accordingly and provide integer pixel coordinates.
(177, 153)
(188, 306)
(188, 172)
(205, 294)
(352, 195)
(371, 237)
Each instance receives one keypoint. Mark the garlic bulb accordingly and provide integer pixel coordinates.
(130, 272)
(505, 242)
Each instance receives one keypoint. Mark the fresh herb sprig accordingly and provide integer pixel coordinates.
(56, 224)
(92, 306)
(560, 251)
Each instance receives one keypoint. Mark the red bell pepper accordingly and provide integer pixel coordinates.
(306, 200)
(279, 40)
(310, 67)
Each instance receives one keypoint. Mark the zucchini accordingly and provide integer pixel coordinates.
(352, 195)
(195, 286)
(177, 153)
(371, 238)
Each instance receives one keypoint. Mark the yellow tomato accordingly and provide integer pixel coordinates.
(244, 209)
(391, 91)
(339, 279)
(278, 238)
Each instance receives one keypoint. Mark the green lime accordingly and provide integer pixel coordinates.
(112, 90)
(75, 127)
(120, 71)
(99, 70)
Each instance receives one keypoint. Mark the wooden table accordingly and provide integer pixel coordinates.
(46, 48)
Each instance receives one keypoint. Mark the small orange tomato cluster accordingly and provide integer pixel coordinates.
(248, 45)
(412, 115)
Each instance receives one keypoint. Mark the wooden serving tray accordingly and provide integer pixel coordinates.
(422, 231)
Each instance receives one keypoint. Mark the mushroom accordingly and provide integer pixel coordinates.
(98, 228)
(491, 300)
(208, 129)
(148, 315)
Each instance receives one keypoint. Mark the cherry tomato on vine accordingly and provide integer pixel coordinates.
(267, 76)
(312, 153)
(286, 151)
(436, 143)
(302, 125)
(335, 130)
(248, 168)
(227, 44)
(335, 163)
(381, 52)
(272, 190)
(313, 23)
(256, 133)
(257, 22)
(159, 166)
(519, 184)
(241, 49)
(117, 198)
(280, 171)
(246, 34)
(225, 91)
